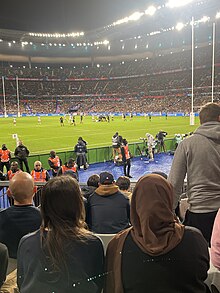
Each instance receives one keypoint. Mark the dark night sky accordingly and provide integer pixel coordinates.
(65, 15)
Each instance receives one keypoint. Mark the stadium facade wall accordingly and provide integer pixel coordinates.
(171, 114)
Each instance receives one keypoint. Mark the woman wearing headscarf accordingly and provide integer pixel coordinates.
(157, 254)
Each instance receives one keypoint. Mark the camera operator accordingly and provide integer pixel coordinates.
(160, 138)
(116, 144)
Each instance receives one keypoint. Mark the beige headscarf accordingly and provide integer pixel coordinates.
(155, 229)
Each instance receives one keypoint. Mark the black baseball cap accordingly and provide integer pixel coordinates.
(106, 178)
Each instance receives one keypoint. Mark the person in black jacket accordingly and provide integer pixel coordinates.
(92, 184)
(81, 150)
(160, 137)
(21, 218)
(108, 210)
(21, 153)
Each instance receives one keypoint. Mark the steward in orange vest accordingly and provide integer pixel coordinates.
(5, 156)
(68, 166)
(126, 158)
(54, 163)
(39, 174)
(14, 169)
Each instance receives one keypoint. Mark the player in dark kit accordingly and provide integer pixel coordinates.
(73, 121)
(61, 121)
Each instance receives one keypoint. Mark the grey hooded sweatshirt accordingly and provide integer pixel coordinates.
(198, 157)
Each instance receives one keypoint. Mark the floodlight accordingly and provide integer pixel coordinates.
(105, 42)
(150, 10)
(204, 19)
(135, 16)
(175, 3)
(179, 26)
(218, 15)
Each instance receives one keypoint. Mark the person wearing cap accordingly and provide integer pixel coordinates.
(108, 210)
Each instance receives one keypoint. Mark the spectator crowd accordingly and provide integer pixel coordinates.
(57, 244)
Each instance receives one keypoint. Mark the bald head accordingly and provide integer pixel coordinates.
(22, 188)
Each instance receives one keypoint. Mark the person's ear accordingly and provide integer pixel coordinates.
(9, 193)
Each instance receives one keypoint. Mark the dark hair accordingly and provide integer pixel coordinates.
(164, 175)
(63, 215)
(52, 153)
(209, 112)
(123, 182)
(70, 161)
(93, 180)
(124, 141)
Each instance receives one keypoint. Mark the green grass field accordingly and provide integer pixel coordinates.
(50, 135)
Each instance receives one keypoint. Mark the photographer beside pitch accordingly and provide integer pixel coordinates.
(198, 157)
(160, 138)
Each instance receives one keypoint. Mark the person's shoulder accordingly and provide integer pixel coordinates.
(3, 249)
(34, 211)
(122, 195)
(193, 233)
(30, 238)
(93, 195)
(2, 215)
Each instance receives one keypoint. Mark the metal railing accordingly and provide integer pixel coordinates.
(6, 201)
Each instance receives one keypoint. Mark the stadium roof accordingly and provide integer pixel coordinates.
(94, 28)
(65, 15)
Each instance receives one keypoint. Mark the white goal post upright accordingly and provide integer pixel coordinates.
(3, 91)
(18, 100)
(213, 61)
(192, 117)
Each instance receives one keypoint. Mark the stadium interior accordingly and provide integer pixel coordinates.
(160, 61)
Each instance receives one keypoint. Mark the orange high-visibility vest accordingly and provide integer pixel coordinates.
(11, 174)
(127, 154)
(65, 168)
(55, 161)
(4, 155)
(39, 176)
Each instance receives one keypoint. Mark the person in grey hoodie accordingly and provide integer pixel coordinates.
(198, 157)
